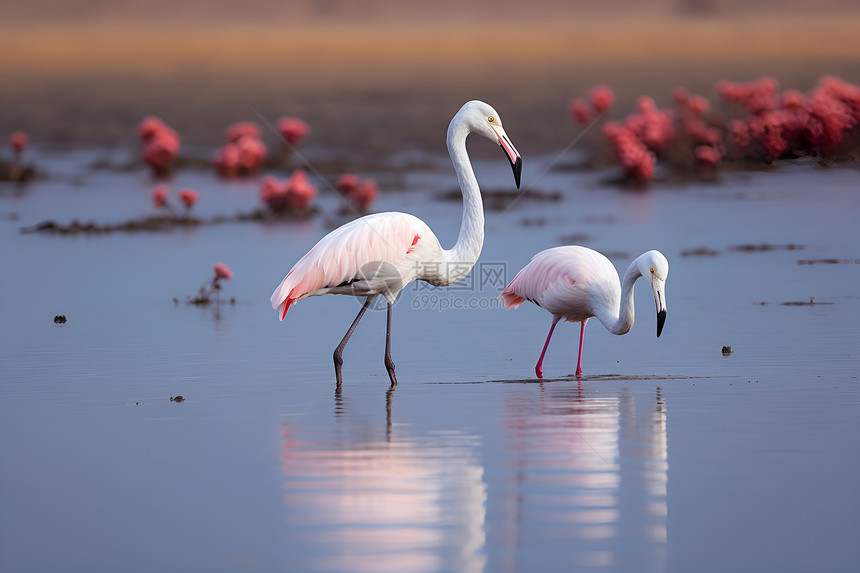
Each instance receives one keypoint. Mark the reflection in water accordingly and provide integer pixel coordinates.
(397, 503)
(583, 487)
(592, 470)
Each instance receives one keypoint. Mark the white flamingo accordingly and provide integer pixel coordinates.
(380, 254)
(576, 283)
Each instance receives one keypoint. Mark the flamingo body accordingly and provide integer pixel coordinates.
(342, 262)
(576, 283)
(380, 254)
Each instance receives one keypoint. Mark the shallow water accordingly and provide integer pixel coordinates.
(665, 456)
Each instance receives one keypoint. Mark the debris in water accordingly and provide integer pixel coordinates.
(699, 252)
(178, 398)
(750, 248)
(828, 262)
(60, 319)
(727, 350)
(801, 303)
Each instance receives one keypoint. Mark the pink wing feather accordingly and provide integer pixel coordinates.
(339, 256)
(546, 270)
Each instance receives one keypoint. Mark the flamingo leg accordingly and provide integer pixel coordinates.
(338, 352)
(581, 338)
(389, 363)
(539, 366)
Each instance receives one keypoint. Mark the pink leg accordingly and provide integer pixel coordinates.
(581, 338)
(538, 367)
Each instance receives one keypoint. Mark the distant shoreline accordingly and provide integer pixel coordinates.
(378, 87)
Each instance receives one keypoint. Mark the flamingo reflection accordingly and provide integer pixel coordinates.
(591, 468)
(386, 501)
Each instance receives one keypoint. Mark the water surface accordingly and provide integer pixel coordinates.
(665, 456)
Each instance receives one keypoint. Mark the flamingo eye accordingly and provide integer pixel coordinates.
(652, 269)
(491, 119)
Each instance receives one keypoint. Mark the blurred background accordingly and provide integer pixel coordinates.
(378, 74)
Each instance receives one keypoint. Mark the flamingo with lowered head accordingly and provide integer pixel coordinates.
(576, 283)
(380, 254)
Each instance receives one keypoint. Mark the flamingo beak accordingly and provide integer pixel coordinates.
(660, 299)
(512, 153)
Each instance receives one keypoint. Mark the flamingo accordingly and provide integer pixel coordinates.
(380, 254)
(576, 283)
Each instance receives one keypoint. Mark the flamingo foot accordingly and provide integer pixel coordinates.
(579, 371)
(389, 365)
(539, 371)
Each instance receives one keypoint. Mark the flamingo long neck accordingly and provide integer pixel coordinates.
(622, 323)
(462, 257)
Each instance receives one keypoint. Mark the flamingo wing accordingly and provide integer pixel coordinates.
(339, 258)
(549, 279)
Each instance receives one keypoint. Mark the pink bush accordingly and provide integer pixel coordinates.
(189, 197)
(252, 153)
(365, 194)
(19, 141)
(241, 129)
(222, 271)
(347, 183)
(161, 144)
(707, 155)
(652, 126)
(756, 97)
(601, 98)
(159, 196)
(637, 161)
(226, 160)
(292, 195)
(293, 129)
(579, 110)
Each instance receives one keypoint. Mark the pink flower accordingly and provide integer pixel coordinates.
(741, 133)
(579, 110)
(637, 161)
(681, 95)
(837, 89)
(646, 104)
(793, 99)
(347, 183)
(189, 197)
(601, 98)
(707, 155)
(293, 194)
(241, 129)
(18, 140)
(149, 126)
(698, 104)
(757, 96)
(365, 194)
(300, 192)
(829, 120)
(226, 160)
(252, 153)
(222, 271)
(159, 196)
(651, 126)
(767, 130)
(161, 149)
(274, 193)
(161, 144)
(293, 129)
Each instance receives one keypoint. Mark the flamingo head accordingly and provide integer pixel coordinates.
(654, 266)
(481, 118)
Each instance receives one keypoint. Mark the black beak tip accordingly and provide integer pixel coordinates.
(661, 319)
(518, 170)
